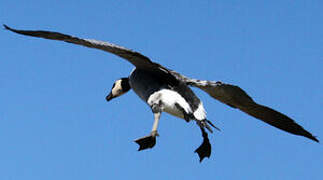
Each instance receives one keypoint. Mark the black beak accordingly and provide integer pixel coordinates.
(109, 97)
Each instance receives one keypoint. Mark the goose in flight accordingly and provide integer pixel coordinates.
(165, 90)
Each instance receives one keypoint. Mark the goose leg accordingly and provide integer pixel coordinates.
(205, 148)
(150, 140)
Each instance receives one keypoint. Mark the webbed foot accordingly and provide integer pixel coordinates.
(147, 141)
(205, 148)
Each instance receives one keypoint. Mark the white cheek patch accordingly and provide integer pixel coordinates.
(117, 89)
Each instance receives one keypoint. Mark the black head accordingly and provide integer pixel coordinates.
(119, 87)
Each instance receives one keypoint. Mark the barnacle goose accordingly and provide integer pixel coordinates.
(165, 90)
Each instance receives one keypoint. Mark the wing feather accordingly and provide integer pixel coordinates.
(135, 58)
(235, 97)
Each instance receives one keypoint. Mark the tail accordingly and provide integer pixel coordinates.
(206, 124)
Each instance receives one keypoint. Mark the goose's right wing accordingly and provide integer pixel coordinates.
(235, 97)
(135, 58)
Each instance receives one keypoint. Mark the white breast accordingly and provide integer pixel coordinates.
(169, 100)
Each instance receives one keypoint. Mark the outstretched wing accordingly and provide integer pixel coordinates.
(135, 58)
(235, 97)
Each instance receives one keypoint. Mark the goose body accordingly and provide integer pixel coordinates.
(165, 90)
(175, 98)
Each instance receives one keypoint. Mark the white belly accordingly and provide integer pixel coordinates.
(168, 100)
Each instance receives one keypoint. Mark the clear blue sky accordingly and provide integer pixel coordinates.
(55, 122)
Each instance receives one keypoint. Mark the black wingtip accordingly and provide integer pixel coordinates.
(6, 27)
(9, 28)
(314, 138)
(308, 135)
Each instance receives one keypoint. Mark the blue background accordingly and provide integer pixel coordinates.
(56, 124)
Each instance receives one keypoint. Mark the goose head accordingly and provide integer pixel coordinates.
(119, 87)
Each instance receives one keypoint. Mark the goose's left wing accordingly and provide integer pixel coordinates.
(135, 58)
(235, 97)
